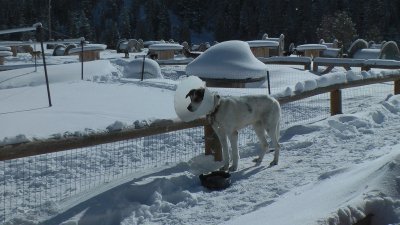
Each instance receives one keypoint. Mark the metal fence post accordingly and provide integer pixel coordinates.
(82, 42)
(39, 35)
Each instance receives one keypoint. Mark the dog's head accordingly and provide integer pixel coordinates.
(196, 97)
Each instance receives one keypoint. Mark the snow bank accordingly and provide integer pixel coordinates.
(227, 60)
(331, 78)
(368, 188)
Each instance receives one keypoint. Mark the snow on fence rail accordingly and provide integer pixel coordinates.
(36, 176)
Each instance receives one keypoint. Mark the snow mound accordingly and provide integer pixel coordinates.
(227, 60)
(369, 188)
(331, 78)
(392, 104)
(151, 69)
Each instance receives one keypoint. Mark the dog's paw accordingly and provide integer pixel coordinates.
(273, 163)
(224, 168)
(233, 168)
(257, 160)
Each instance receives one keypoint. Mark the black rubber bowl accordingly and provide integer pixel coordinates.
(216, 180)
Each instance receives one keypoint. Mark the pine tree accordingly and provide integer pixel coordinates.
(124, 24)
(339, 26)
(164, 23)
(83, 26)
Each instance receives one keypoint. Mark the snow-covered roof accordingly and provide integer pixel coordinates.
(367, 53)
(263, 43)
(148, 43)
(92, 47)
(5, 53)
(382, 62)
(165, 46)
(10, 43)
(3, 48)
(287, 59)
(331, 52)
(227, 60)
(338, 60)
(311, 47)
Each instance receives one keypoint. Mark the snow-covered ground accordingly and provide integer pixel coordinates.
(334, 171)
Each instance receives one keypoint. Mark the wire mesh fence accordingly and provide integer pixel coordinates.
(40, 182)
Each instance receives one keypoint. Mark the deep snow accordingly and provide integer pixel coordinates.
(334, 171)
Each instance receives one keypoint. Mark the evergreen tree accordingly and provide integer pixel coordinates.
(164, 23)
(125, 25)
(339, 26)
(83, 26)
(152, 10)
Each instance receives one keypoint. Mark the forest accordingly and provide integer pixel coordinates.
(301, 21)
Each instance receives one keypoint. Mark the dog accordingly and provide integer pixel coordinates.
(230, 114)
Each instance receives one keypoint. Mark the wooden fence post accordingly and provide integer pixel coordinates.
(212, 144)
(336, 102)
(397, 87)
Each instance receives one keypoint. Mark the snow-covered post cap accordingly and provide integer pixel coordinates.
(230, 60)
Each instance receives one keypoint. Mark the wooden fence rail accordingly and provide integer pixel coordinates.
(15, 151)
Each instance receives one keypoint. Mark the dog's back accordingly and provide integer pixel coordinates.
(246, 110)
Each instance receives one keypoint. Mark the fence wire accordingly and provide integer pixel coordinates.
(40, 182)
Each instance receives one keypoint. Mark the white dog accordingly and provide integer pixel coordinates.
(230, 114)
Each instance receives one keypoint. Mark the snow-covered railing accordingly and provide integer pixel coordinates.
(364, 64)
(333, 83)
(38, 147)
(285, 60)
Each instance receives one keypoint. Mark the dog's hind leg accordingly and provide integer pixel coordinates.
(262, 137)
(274, 134)
(233, 138)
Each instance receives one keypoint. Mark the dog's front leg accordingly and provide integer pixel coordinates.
(233, 138)
(224, 144)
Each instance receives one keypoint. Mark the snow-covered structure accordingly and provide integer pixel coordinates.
(281, 40)
(4, 52)
(262, 48)
(165, 51)
(149, 68)
(359, 50)
(229, 64)
(311, 50)
(59, 50)
(332, 49)
(131, 45)
(90, 52)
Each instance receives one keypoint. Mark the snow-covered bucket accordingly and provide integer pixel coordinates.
(181, 102)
